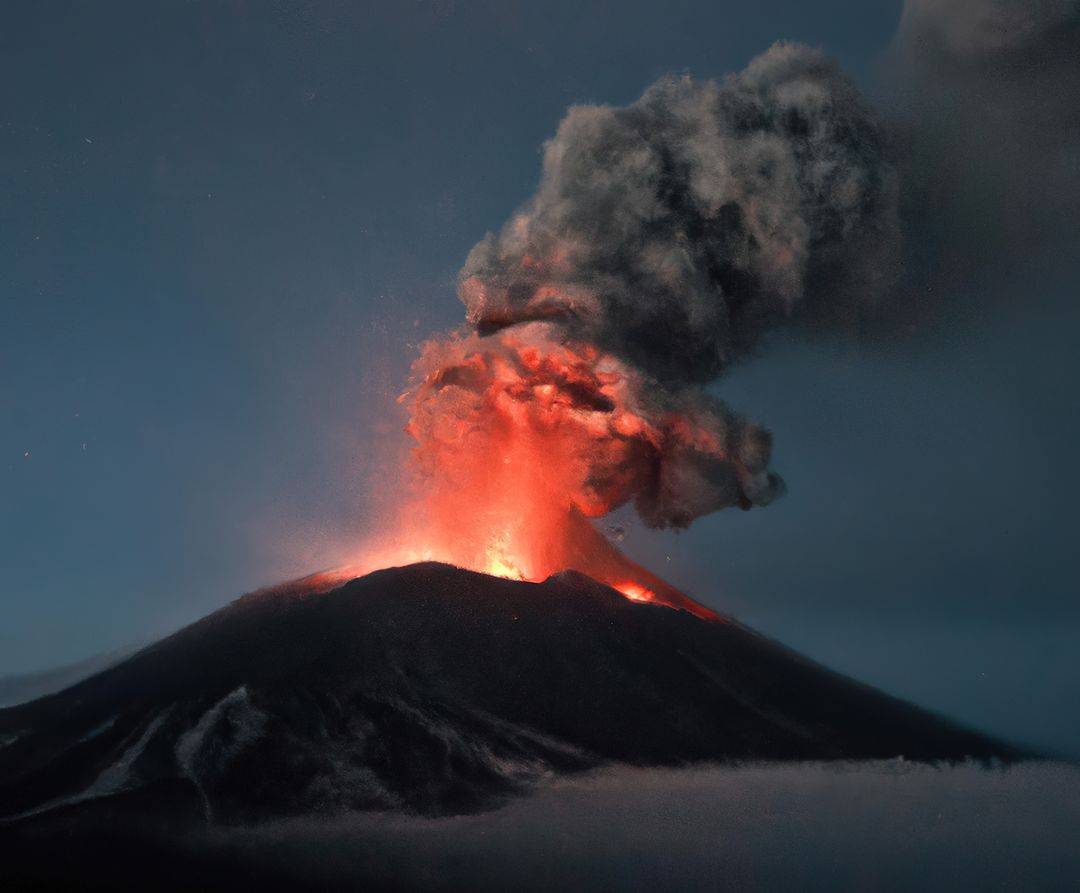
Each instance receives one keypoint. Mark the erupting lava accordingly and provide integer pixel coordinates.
(576, 546)
(521, 439)
(664, 241)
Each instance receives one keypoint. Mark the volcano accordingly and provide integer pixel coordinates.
(433, 690)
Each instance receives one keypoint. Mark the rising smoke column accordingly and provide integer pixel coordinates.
(665, 240)
(677, 231)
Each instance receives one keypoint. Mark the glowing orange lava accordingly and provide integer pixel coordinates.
(520, 439)
(574, 544)
(635, 592)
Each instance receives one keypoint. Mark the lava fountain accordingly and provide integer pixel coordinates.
(521, 438)
(665, 240)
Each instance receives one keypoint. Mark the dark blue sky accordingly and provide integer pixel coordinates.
(226, 224)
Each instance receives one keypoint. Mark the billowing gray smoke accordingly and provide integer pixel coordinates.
(666, 239)
(676, 231)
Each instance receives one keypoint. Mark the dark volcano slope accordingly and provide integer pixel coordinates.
(437, 690)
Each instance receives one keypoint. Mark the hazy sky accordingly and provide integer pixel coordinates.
(226, 225)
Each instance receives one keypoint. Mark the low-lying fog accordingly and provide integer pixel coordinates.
(880, 826)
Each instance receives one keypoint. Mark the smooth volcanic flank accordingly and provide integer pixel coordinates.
(432, 689)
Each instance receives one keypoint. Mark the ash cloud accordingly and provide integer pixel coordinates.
(677, 231)
(984, 102)
(665, 240)
(673, 235)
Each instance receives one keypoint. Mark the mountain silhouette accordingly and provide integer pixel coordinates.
(433, 690)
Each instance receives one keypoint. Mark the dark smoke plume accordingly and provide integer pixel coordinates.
(985, 101)
(665, 240)
(677, 231)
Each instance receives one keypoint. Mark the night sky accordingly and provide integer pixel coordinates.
(227, 225)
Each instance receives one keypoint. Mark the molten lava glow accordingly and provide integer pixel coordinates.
(635, 592)
(520, 439)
